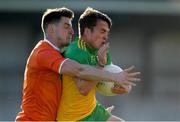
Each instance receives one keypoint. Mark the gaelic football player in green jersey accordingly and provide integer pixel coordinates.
(78, 101)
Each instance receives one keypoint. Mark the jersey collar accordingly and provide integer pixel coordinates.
(82, 44)
(56, 48)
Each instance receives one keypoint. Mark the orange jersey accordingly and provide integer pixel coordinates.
(42, 84)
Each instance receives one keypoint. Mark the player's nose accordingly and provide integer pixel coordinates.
(106, 36)
(72, 31)
(105, 39)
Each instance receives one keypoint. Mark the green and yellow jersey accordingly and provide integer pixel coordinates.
(73, 105)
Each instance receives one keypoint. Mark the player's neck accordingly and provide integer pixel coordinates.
(53, 41)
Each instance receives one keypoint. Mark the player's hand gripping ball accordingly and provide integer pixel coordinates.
(105, 88)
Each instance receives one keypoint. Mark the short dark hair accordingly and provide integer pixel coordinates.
(89, 19)
(54, 16)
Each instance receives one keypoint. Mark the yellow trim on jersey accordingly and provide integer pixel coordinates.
(82, 44)
(79, 43)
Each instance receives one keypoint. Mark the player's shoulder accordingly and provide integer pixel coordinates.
(74, 49)
(43, 49)
(42, 45)
(76, 53)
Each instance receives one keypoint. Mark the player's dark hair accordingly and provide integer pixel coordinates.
(54, 16)
(89, 19)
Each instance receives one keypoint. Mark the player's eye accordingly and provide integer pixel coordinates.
(103, 31)
(66, 26)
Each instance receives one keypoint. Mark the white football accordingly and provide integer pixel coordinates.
(104, 88)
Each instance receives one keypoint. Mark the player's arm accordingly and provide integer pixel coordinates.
(55, 62)
(86, 72)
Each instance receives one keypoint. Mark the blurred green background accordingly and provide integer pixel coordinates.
(145, 33)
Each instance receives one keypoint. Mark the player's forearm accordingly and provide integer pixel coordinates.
(86, 72)
(94, 74)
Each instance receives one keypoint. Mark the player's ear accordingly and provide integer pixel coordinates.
(51, 28)
(87, 32)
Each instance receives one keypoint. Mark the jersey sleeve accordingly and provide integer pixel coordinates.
(50, 59)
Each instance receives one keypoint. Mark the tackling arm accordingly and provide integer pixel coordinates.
(85, 72)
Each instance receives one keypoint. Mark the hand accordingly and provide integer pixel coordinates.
(109, 109)
(117, 89)
(84, 86)
(128, 77)
(102, 54)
